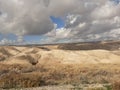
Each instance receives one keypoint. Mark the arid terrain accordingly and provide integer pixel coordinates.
(60, 64)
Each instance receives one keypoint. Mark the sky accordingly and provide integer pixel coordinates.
(58, 21)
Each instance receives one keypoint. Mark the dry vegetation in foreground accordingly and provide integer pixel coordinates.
(18, 76)
(78, 65)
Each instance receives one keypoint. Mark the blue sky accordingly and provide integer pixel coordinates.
(60, 22)
(32, 38)
(116, 1)
(8, 36)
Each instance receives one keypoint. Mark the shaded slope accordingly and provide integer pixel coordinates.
(113, 45)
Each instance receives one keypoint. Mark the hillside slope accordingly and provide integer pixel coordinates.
(60, 64)
(82, 53)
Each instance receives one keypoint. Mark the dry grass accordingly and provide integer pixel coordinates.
(47, 65)
(16, 76)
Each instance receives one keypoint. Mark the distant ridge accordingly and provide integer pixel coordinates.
(106, 45)
(93, 45)
(86, 42)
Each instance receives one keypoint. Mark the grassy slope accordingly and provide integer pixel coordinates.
(42, 68)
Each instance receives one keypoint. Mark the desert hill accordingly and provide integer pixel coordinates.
(60, 64)
(87, 53)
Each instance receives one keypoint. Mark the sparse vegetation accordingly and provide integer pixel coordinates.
(19, 76)
(25, 67)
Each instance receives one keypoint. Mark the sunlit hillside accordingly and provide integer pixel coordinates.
(61, 64)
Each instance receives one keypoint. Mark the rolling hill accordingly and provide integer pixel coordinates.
(60, 64)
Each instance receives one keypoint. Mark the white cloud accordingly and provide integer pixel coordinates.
(108, 10)
(84, 19)
(24, 15)
(6, 41)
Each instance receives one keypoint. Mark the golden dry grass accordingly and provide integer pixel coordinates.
(48, 65)
(15, 76)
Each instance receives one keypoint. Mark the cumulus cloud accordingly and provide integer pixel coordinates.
(29, 17)
(98, 21)
(85, 20)
(6, 41)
